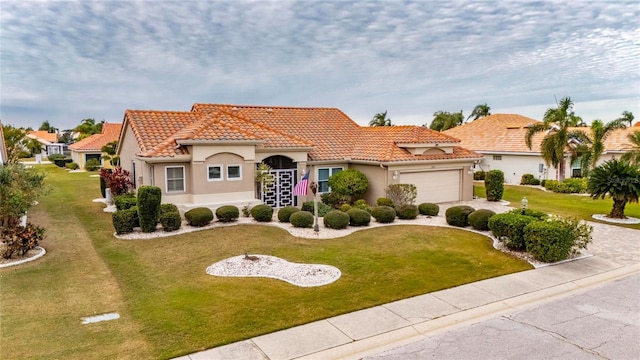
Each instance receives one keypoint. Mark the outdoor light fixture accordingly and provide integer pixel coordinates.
(524, 204)
(395, 175)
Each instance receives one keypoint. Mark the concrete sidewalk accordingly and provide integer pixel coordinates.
(370, 331)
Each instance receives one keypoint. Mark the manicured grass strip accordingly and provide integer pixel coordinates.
(578, 206)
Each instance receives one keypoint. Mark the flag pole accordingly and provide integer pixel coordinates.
(314, 187)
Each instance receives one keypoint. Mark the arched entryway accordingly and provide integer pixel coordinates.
(279, 193)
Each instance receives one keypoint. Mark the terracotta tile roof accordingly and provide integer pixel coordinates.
(110, 132)
(43, 135)
(154, 130)
(618, 140)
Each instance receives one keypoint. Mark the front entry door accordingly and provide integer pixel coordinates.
(280, 193)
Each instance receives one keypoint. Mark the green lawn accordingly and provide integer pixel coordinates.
(169, 306)
(580, 207)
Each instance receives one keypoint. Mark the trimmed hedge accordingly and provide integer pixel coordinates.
(479, 219)
(540, 215)
(199, 216)
(509, 228)
(548, 241)
(407, 212)
(344, 208)
(384, 214)
(171, 221)
(167, 208)
(383, 201)
(125, 220)
(262, 213)
(92, 165)
(125, 201)
(479, 175)
(459, 215)
(301, 219)
(149, 200)
(336, 219)
(358, 217)
(285, 213)
(494, 185)
(362, 204)
(227, 213)
(429, 209)
(323, 208)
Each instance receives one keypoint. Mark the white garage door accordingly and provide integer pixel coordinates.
(434, 186)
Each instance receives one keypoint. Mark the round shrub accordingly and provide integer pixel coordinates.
(227, 213)
(171, 221)
(72, 166)
(92, 165)
(125, 201)
(383, 201)
(362, 205)
(458, 215)
(199, 216)
(323, 208)
(479, 219)
(548, 241)
(509, 228)
(358, 217)
(285, 213)
(336, 219)
(407, 212)
(345, 207)
(262, 213)
(494, 185)
(429, 209)
(349, 182)
(125, 220)
(383, 214)
(168, 207)
(301, 219)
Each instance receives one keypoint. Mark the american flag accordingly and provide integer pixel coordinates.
(302, 186)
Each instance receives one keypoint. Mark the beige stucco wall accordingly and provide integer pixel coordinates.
(379, 179)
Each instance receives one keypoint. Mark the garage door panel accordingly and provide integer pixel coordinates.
(434, 186)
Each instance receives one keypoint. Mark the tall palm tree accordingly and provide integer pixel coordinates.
(380, 119)
(480, 111)
(88, 127)
(556, 123)
(618, 180)
(633, 154)
(627, 116)
(443, 120)
(591, 146)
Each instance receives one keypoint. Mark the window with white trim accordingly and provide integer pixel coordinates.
(174, 178)
(234, 172)
(214, 173)
(323, 178)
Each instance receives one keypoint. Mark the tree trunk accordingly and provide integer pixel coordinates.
(618, 209)
(561, 170)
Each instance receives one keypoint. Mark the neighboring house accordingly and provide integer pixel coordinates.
(500, 138)
(3, 148)
(208, 156)
(47, 140)
(91, 147)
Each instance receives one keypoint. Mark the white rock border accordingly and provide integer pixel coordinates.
(627, 221)
(34, 257)
(303, 275)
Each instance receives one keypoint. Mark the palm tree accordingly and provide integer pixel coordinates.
(556, 123)
(480, 111)
(47, 127)
(380, 119)
(591, 146)
(88, 127)
(633, 155)
(618, 180)
(443, 120)
(627, 116)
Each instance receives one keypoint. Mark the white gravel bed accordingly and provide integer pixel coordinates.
(605, 218)
(304, 275)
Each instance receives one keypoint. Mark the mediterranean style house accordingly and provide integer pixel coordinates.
(500, 138)
(91, 147)
(209, 156)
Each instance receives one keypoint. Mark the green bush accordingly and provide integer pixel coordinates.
(336, 219)
(323, 208)
(344, 208)
(358, 217)
(479, 219)
(479, 175)
(458, 215)
(540, 215)
(526, 179)
(149, 200)
(494, 185)
(548, 241)
(171, 221)
(407, 212)
(285, 213)
(534, 182)
(509, 228)
(429, 209)
(125, 201)
(103, 187)
(18, 239)
(62, 162)
(384, 214)
(576, 186)
(543, 183)
(125, 220)
(334, 199)
(54, 157)
(383, 201)
(92, 165)
(362, 205)
(401, 194)
(262, 213)
(72, 166)
(199, 216)
(166, 208)
(349, 182)
(227, 213)
(301, 219)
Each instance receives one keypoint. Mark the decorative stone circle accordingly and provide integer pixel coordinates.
(605, 218)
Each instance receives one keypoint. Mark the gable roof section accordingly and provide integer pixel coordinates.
(43, 136)
(110, 132)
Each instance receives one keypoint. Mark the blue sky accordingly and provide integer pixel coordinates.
(66, 61)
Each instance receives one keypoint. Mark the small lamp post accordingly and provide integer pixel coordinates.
(314, 189)
(524, 204)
